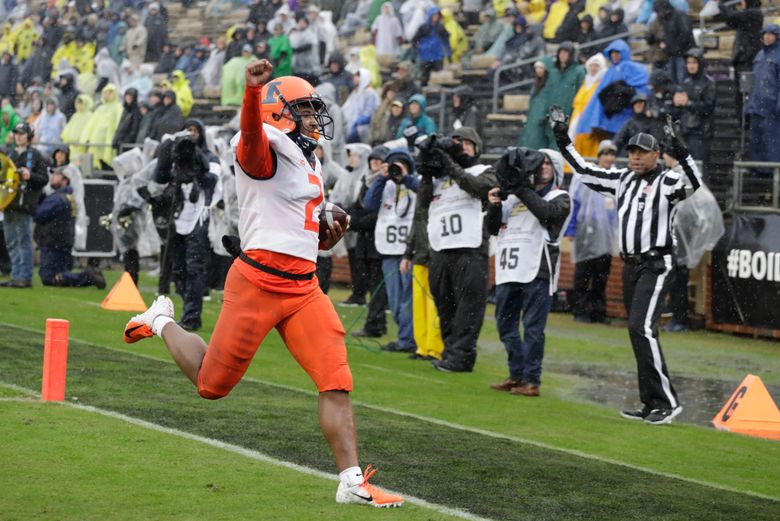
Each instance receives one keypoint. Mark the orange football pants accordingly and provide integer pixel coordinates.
(307, 323)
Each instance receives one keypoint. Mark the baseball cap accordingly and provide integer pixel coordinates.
(22, 128)
(638, 97)
(643, 141)
(607, 145)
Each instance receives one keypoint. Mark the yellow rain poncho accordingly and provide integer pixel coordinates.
(499, 6)
(6, 39)
(368, 61)
(233, 80)
(537, 10)
(587, 144)
(459, 42)
(181, 86)
(102, 125)
(82, 58)
(24, 36)
(78, 122)
(556, 15)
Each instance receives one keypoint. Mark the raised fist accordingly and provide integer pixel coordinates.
(258, 72)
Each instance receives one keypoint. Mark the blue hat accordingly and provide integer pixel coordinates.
(520, 20)
(772, 28)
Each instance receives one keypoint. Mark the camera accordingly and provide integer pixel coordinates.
(395, 172)
(451, 147)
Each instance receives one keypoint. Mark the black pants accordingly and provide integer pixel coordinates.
(189, 254)
(644, 284)
(590, 284)
(426, 68)
(5, 260)
(217, 269)
(459, 285)
(132, 264)
(369, 279)
(678, 293)
(324, 270)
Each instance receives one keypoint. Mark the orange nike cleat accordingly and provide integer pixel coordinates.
(140, 326)
(367, 494)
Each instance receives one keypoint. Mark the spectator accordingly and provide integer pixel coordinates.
(432, 42)
(471, 10)
(747, 23)
(99, 132)
(106, 70)
(404, 81)
(359, 108)
(135, 41)
(488, 32)
(527, 262)
(613, 26)
(417, 117)
(9, 77)
(336, 151)
(52, 33)
(157, 32)
(313, 18)
(149, 113)
(167, 60)
(677, 37)
(67, 95)
(586, 34)
(662, 87)
(565, 79)
(181, 87)
(89, 30)
(593, 228)
(260, 11)
(535, 132)
(130, 122)
(36, 106)
(49, 126)
(569, 30)
(328, 33)
(459, 42)
(26, 36)
(38, 66)
(169, 120)
(211, 72)
(641, 121)
(262, 34)
(72, 131)
(464, 109)
(280, 52)
(384, 125)
(144, 82)
(595, 68)
(236, 44)
(8, 121)
(523, 44)
(341, 79)
(234, 79)
(184, 57)
(763, 105)
(386, 32)
(55, 227)
(694, 107)
(17, 216)
(622, 76)
(508, 23)
(306, 49)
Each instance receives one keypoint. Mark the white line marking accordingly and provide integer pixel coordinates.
(464, 428)
(248, 453)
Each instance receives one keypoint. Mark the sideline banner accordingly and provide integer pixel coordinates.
(746, 272)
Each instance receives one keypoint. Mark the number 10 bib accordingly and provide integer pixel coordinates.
(455, 217)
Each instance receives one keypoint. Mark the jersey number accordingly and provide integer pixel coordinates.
(397, 233)
(509, 259)
(455, 225)
(313, 224)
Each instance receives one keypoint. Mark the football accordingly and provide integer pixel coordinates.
(329, 214)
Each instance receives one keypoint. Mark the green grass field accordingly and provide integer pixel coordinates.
(444, 438)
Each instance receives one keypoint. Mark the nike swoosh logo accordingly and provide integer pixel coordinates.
(129, 332)
(364, 498)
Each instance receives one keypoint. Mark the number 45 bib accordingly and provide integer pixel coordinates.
(455, 217)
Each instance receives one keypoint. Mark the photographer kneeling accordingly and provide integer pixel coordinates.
(185, 167)
(528, 213)
(454, 189)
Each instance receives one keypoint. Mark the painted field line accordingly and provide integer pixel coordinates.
(465, 428)
(248, 453)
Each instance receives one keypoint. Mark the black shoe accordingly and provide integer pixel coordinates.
(395, 347)
(446, 367)
(417, 356)
(636, 414)
(360, 333)
(583, 319)
(19, 284)
(352, 303)
(96, 277)
(662, 416)
(189, 326)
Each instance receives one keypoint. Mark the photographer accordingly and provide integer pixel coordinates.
(453, 191)
(18, 222)
(646, 195)
(393, 195)
(528, 222)
(184, 165)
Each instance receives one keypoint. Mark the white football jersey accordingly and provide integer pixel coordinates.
(280, 214)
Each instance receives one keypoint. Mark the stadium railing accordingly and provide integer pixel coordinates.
(764, 193)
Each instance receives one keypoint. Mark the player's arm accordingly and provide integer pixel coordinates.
(254, 152)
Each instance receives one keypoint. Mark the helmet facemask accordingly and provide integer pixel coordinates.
(292, 112)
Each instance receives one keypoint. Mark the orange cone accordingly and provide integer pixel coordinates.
(124, 296)
(750, 410)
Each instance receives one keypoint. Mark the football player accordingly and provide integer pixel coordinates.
(272, 283)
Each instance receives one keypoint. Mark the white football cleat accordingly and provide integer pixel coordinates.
(367, 494)
(140, 326)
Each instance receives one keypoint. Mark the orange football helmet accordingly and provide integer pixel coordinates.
(283, 97)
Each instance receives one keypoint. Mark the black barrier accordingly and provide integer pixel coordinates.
(746, 272)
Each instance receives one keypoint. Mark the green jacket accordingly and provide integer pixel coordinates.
(8, 113)
(280, 51)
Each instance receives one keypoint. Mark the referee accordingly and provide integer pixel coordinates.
(646, 194)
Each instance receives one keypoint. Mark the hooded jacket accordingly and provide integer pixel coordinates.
(748, 24)
(9, 77)
(565, 81)
(425, 125)
(48, 127)
(169, 120)
(67, 96)
(764, 99)
(467, 114)
(181, 87)
(361, 103)
(72, 131)
(697, 117)
(613, 28)
(387, 30)
(102, 125)
(341, 80)
(9, 114)
(677, 32)
(131, 120)
(432, 40)
(328, 94)
(569, 30)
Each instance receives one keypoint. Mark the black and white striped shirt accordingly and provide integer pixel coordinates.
(645, 202)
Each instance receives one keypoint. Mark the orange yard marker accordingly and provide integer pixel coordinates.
(55, 359)
(124, 296)
(750, 410)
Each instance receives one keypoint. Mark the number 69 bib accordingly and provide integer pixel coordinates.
(455, 217)
(394, 219)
